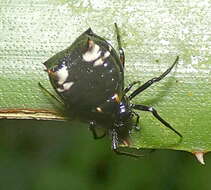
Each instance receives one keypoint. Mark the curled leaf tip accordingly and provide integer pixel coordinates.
(200, 157)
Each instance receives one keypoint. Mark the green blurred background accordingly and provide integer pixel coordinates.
(43, 155)
(37, 156)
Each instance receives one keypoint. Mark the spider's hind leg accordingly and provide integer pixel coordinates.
(50, 94)
(92, 127)
(121, 51)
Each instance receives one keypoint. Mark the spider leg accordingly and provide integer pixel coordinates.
(156, 115)
(50, 94)
(121, 51)
(115, 145)
(153, 80)
(127, 89)
(137, 121)
(92, 126)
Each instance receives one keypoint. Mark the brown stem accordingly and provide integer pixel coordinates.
(30, 114)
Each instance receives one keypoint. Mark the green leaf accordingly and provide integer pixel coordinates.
(153, 34)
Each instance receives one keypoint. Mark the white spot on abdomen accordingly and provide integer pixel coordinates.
(100, 61)
(62, 75)
(107, 53)
(92, 53)
(66, 86)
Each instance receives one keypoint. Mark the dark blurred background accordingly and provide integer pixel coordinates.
(43, 155)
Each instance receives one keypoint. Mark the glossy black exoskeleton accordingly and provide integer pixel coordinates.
(88, 76)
